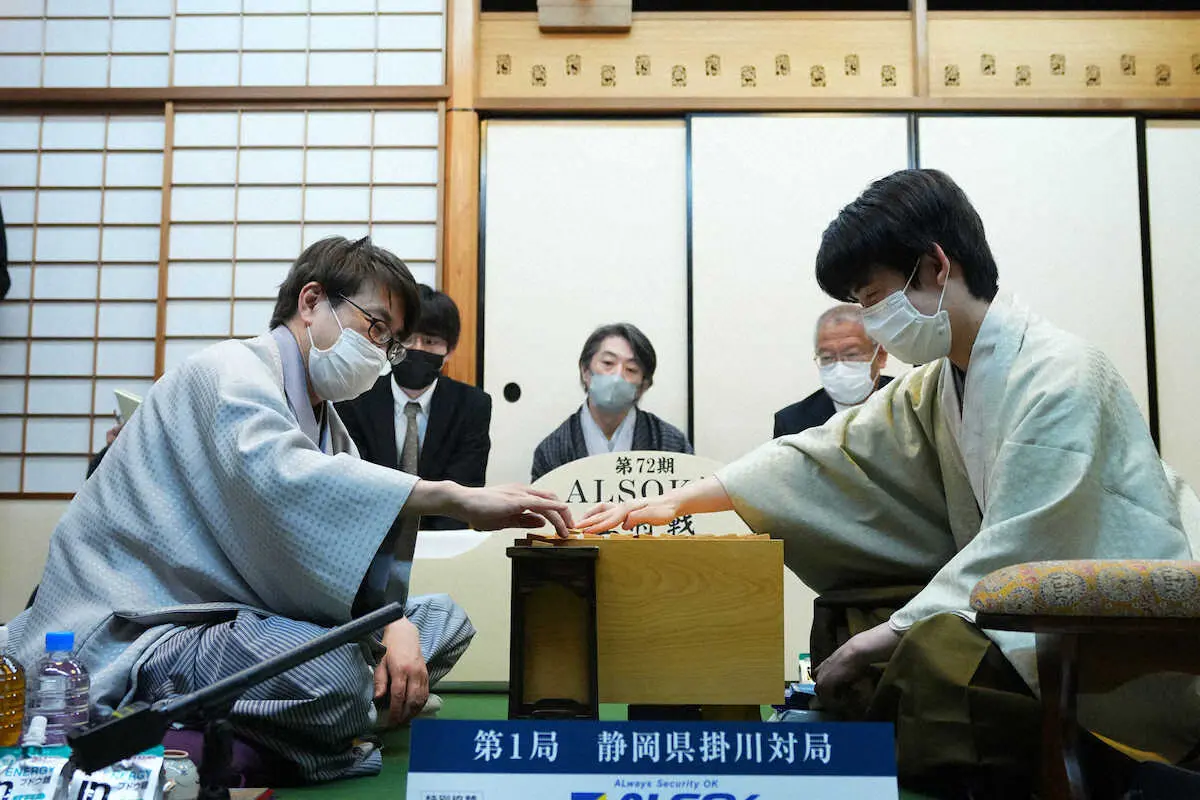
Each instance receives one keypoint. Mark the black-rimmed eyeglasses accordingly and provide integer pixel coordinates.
(380, 334)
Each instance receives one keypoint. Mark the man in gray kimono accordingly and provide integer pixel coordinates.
(233, 520)
(1015, 441)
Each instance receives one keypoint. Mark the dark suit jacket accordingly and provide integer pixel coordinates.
(457, 442)
(814, 410)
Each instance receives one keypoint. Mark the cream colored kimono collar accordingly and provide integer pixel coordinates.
(975, 425)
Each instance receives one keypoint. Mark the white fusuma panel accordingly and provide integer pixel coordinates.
(1173, 165)
(585, 224)
(1059, 201)
(764, 188)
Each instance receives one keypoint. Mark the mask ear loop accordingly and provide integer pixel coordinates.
(941, 297)
(335, 319)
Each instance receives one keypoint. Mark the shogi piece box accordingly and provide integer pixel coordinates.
(654, 620)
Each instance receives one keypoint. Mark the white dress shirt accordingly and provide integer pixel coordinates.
(597, 442)
(400, 399)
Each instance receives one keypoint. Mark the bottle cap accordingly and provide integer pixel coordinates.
(36, 735)
(60, 640)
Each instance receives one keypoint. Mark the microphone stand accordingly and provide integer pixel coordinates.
(140, 726)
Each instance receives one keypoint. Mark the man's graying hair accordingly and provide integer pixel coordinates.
(342, 267)
(843, 312)
(643, 351)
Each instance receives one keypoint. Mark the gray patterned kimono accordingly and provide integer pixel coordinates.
(217, 533)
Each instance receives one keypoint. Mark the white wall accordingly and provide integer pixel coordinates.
(25, 528)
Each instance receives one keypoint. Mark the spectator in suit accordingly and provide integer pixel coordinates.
(451, 439)
(849, 363)
(616, 368)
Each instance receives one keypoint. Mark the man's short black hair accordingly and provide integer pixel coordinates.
(439, 316)
(342, 267)
(897, 220)
(643, 351)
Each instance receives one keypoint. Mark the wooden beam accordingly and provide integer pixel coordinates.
(681, 105)
(920, 22)
(460, 230)
(460, 188)
(164, 241)
(220, 94)
(462, 28)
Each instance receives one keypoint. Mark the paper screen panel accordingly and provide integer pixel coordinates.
(87, 44)
(285, 43)
(84, 231)
(252, 188)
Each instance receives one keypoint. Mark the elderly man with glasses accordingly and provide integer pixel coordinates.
(849, 364)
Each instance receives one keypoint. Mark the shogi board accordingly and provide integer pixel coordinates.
(681, 620)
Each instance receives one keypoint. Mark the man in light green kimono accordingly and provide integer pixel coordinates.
(1015, 441)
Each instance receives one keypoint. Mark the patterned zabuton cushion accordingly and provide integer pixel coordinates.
(1126, 588)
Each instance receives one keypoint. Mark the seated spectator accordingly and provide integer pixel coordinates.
(849, 364)
(616, 368)
(450, 440)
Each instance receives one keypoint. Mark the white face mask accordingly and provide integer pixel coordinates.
(848, 382)
(348, 368)
(904, 331)
(612, 393)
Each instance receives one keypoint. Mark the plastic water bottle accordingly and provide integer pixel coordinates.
(58, 689)
(12, 695)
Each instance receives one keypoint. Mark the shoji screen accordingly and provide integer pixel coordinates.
(1173, 161)
(309, 42)
(250, 189)
(585, 224)
(96, 43)
(1059, 200)
(124, 43)
(763, 191)
(82, 201)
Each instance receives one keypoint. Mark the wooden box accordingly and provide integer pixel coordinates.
(680, 620)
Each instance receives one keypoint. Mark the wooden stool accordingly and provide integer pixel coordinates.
(1083, 613)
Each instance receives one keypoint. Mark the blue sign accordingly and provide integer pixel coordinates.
(583, 760)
